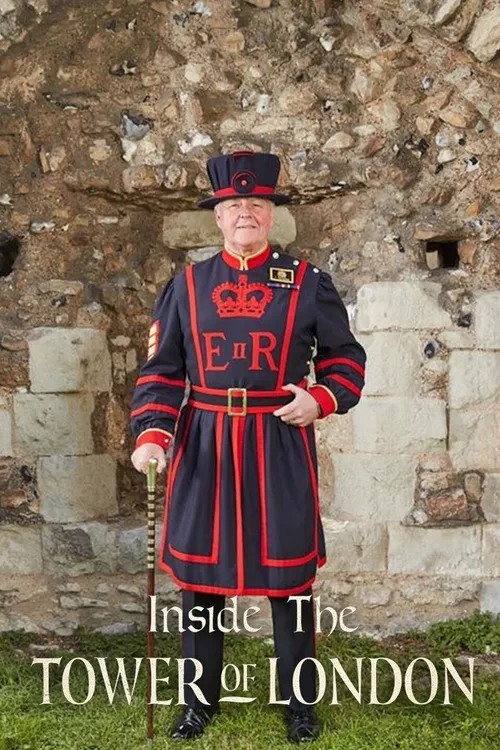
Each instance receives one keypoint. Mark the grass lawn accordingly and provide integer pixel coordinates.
(25, 724)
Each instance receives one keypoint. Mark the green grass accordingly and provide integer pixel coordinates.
(25, 724)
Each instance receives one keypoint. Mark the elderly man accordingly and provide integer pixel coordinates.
(242, 512)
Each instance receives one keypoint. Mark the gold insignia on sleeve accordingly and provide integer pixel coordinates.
(153, 338)
(284, 275)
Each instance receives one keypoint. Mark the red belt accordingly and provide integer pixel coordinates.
(252, 402)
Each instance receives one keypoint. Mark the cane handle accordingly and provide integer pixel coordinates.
(153, 463)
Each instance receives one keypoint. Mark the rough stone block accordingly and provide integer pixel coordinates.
(20, 549)
(375, 488)
(201, 253)
(490, 501)
(438, 591)
(77, 488)
(336, 432)
(77, 602)
(194, 229)
(394, 361)
(60, 625)
(284, 231)
(374, 595)
(400, 304)
(5, 433)
(487, 319)
(53, 423)
(434, 551)
(484, 39)
(69, 359)
(400, 425)
(490, 597)
(461, 338)
(354, 546)
(471, 443)
(13, 621)
(68, 588)
(474, 379)
(491, 549)
(117, 628)
(77, 549)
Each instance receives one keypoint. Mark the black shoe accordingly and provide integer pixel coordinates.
(192, 723)
(303, 724)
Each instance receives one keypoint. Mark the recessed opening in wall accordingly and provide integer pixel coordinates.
(442, 254)
(9, 250)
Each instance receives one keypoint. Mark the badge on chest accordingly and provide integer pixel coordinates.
(282, 277)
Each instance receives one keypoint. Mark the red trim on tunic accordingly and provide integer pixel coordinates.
(159, 379)
(259, 433)
(346, 383)
(257, 190)
(170, 482)
(237, 437)
(213, 558)
(219, 427)
(216, 407)
(194, 322)
(340, 361)
(292, 309)
(252, 260)
(239, 592)
(314, 484)
(325, 398)
(167, 500)
(152, 435)
(237, 444)
(223, 391)
(274, 562)
(155, 407)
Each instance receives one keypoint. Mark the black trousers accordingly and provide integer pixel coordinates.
(289, 646)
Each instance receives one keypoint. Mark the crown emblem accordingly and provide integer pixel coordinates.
(240, 300)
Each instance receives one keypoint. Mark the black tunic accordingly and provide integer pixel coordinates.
(242, 510)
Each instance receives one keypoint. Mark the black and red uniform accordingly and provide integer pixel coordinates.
(242, 511)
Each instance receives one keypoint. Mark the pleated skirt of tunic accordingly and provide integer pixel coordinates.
(242, 509)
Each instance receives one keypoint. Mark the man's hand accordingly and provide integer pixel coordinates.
(300, 412)
(140, 457)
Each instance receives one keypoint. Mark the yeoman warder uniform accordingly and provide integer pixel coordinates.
(242, 511)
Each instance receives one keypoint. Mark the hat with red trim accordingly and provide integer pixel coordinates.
(243, 174)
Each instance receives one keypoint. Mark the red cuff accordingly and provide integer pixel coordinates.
(154, 435)
(325, 399)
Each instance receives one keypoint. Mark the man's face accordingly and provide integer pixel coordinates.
(245, 221)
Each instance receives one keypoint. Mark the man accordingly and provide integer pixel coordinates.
(242, 511)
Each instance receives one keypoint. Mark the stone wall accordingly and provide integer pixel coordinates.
(387, 120)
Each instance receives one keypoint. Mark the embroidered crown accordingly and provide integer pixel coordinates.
(240, 300)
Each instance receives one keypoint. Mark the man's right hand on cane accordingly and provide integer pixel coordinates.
(141, 456)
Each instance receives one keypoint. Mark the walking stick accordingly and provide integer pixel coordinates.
(151, 477)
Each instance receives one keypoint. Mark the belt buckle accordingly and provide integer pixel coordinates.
(230, 392)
